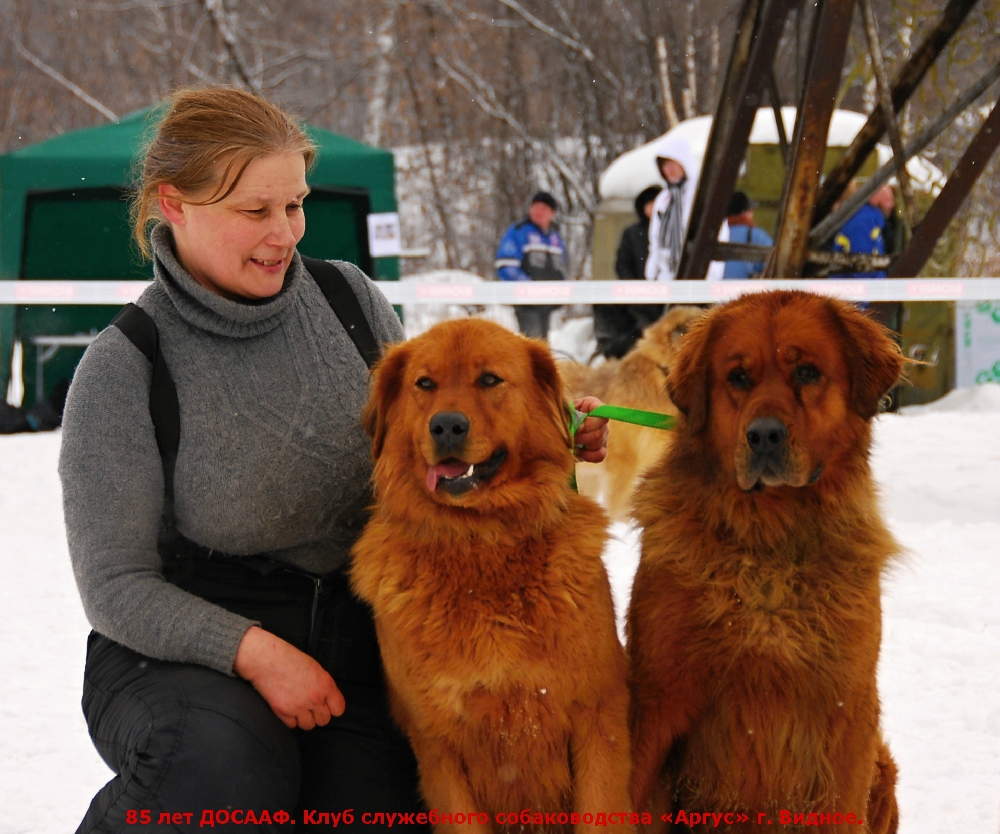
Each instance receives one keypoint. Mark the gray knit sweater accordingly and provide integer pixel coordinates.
(272, 457)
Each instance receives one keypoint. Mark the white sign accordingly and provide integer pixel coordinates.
(977, 343)
(383, 234)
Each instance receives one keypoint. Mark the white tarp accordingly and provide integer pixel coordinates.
(633, 171)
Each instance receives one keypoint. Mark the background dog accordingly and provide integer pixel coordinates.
(483, 568)
(638, 380)
(755, 620)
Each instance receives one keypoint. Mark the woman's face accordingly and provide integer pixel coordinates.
(241, 246)
(671, 170)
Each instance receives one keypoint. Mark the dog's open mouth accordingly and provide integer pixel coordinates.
(457, 477)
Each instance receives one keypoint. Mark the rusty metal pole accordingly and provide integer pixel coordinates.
(828, 41)
(779, 123)
(761, 25)
(906, 82)
(972, 164)
(726, 114)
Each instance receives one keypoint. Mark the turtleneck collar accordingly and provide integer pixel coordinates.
(208, 311)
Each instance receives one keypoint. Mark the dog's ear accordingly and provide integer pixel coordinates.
(688, 381)
(686, 316)
(386, 381)
(546, 374)
(874, 360)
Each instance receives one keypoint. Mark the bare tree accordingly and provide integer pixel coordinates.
(485, 101)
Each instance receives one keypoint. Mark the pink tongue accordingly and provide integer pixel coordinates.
(450, 469)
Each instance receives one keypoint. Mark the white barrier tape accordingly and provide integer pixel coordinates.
(557, 292)
(71, 292)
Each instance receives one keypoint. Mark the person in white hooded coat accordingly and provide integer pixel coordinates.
(672, 211)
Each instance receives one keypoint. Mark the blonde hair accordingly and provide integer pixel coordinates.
(206, 135)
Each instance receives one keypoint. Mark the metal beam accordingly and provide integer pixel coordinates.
(910, 214)
(757, 36)
(828, 42)
(972, 164)
(906, 82)
(845, 261)
(779, 123)
(833, 221)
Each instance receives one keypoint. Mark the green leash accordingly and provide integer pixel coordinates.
(650, 419)
(636, 416)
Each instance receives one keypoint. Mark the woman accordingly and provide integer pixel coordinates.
(230, 668)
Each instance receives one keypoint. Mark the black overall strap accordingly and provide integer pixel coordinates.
(137, 326)
(345, 304)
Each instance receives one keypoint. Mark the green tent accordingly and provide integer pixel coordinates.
(64, 215)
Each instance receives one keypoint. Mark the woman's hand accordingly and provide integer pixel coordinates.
(299, 690)
(591, 440)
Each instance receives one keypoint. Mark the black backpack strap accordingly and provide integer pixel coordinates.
(164, 409)
(345, 304)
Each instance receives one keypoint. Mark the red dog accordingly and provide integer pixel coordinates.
(755, 620)
(484, 571)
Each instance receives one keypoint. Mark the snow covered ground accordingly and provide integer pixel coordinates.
(939, 470)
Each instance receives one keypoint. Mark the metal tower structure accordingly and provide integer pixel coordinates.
(807, 217)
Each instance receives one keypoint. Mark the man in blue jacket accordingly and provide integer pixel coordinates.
(742, 230)
(531, 250)
(863, 233)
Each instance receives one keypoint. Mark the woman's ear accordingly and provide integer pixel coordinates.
(386, 382)
(172, 205)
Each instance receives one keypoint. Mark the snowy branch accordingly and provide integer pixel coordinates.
(484, 96)
(38, 63)
(218, 17)
(573, 43)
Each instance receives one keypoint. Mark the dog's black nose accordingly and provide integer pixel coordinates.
(449, 429)
(766, 435)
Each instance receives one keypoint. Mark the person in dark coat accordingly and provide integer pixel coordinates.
(617, 327)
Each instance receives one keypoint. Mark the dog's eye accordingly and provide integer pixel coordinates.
(804, 374)
(426, 383)
(739, 378)
(488, 380)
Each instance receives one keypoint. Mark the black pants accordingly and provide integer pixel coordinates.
(617, 327)
(185, 739)
(533, 319)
